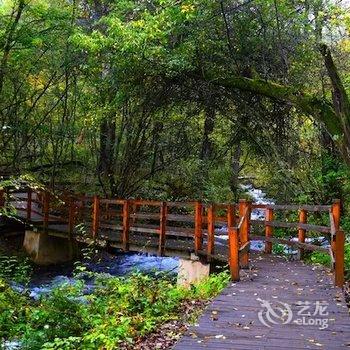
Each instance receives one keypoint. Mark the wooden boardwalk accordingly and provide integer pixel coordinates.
(231, 321)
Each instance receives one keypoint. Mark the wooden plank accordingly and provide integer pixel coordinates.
(234, 253)
(112, 201)
(339, 258)
(259, 206)
(231, 216)
(306, 246)
(170, 217)
(126, 225)
(244, 212)
(150, 203)
(46, 208)
(336, 217)
(112, 227)
(244, 247)
(297, 225)
(331, 254)
(198, 243)
(302, 231)
(144, 230)
(162, 228)
(211, 230)
(277, 281)
(268, 230)
(295, 207)
(96, 217)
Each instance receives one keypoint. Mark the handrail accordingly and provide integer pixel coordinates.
(295, 207)
(102, 213)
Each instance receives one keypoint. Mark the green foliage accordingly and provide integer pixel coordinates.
(15, 269)
(13, 312)
(118, 310)
(324, 259)
(320, 258)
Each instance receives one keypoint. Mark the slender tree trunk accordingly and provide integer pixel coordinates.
(107, 151)
(235, 169)
(9, 41)
(209, 124)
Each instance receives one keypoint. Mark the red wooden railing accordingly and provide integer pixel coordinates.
(194, 221)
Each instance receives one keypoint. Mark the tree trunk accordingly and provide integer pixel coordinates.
(9, 42)
(209, 124)
(107, 152)
(236, 167)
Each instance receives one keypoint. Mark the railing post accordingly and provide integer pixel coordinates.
(29, 204)
(162, 228)
(339, 258)
(231, 216)
(301, 231)
(244, 210)
(211, 231)
(126, 225)
(233, 235)
(46, 209)
(198, 230)
(336, 207)
(134, 211)
(96, 217)
(268, 230)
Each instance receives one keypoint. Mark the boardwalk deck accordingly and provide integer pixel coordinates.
(231, 321)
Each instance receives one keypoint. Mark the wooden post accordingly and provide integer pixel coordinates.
(46, 209)
(71, 218)
(211, 231)
(339, 258)
(198, 231)
(135, 208)
(231, 216)
(29, 204)
(302, 232)
(126, 225)
(336, 216)
(244, 210)
(96, 217)
(162, 228)
(268, 230)
(234, 253)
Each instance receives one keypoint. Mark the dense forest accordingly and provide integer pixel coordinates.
(177, 99)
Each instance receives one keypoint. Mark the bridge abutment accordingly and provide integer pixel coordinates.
(192, 270)
(45, 249)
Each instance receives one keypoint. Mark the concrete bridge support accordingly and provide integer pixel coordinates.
(45, 249)
(192, 270)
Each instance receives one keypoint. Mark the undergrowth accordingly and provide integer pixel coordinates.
(117, 310)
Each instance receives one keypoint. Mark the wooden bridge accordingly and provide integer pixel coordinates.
(178, 228)
(239, 317)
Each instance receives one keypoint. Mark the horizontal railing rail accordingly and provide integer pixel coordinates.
(193, 221)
